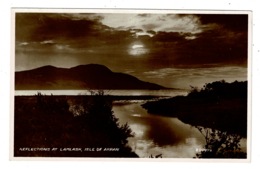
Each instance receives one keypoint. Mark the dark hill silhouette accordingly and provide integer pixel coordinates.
(91, 76)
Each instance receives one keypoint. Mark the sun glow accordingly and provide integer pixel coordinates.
(137, 46)
(137, 49)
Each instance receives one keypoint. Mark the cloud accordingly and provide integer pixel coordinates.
(155, 22)
(183, 77)
(83, 16)
(79, 31)
(42, 27)
(150, 26)
(144, 15)
(235, 22)
(47, 42)
(23, 43)
(169, 40)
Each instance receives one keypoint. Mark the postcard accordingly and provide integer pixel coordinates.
(131, 84)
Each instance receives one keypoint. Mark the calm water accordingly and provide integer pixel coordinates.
(154, 134)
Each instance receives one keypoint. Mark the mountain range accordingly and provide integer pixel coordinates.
(90, 76)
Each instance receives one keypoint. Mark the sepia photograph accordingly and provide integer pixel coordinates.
(167, 84)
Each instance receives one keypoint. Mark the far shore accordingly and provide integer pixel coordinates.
(110, 97)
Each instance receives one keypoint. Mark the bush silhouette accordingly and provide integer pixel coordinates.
(220, 144)
(220, 89)
(219, 105)
(47, 121)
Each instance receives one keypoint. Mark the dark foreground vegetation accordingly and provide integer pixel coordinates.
(218, 111)
(218, 105)
(220, 144)
(60, 126)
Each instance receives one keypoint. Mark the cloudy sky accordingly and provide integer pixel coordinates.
(173, 50)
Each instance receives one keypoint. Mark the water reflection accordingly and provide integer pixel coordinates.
(158, 135)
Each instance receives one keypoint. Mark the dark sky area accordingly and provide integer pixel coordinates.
(168, 49)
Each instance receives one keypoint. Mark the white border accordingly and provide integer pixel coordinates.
(23, 10)
(162, 4)
(126, 10)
